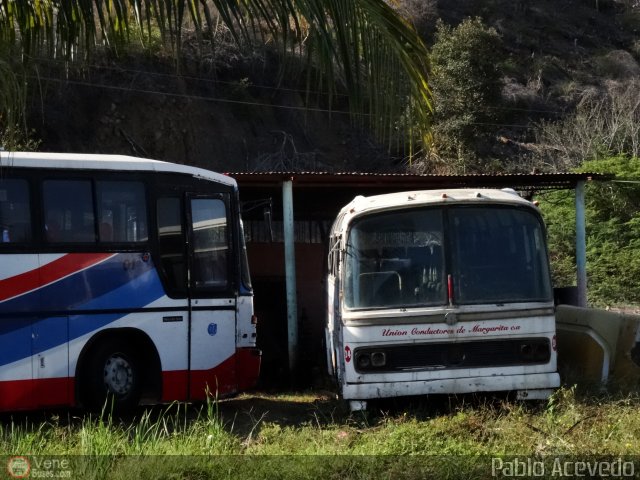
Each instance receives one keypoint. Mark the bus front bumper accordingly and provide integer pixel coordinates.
(521, 383)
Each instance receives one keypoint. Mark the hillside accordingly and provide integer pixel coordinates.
(236, 111)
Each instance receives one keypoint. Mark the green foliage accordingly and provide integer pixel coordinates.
(613, 233)
(613, 243)
(559, 215)
(14, 139)
(466, 85)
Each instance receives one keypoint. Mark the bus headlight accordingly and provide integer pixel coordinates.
(363, 360)
(535, 351)
(378, 359)
(367, 361)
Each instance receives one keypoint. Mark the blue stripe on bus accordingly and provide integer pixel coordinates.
(74, 291)
(15, 339)
(91, 289)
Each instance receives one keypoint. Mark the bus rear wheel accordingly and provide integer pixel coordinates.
(113, 378)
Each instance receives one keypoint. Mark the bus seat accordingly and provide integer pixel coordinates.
(426, 268)
(380, 288)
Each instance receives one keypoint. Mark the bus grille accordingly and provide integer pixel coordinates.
(435, 356)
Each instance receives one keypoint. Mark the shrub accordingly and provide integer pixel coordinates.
(466, 85)
(606, 123)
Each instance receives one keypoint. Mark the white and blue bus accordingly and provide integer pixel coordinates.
(440, 292)
(121, 279)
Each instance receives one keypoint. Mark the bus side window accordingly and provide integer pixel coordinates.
(210, 243)
(68, 211)
(15, 211)
(122, 211)
(172, 244)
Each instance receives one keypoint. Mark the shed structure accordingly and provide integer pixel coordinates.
(287, 218)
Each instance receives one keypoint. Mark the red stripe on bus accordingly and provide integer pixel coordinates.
(218, 381)
(30, 394)
(49, 273)
(174, 385)
(238, 372)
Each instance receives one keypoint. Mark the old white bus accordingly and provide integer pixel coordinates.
(443, 291)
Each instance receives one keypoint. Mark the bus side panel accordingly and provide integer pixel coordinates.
(217, 381)
(248, 367)
(248, 357)
(140, 289)
(50, 360)
(19, 278)
(38, 360)
(332, 327)
(16, 384)
(213, 347)
(224, 359)
(168, 337)
(168, 330)
(107, 291)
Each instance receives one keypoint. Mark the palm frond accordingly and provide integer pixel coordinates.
(361, 46)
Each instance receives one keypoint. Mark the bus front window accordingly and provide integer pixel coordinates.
(498, 255)
(395, 259)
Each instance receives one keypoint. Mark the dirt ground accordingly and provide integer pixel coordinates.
(244, 413)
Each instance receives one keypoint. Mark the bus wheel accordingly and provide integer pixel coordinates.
(114, 378)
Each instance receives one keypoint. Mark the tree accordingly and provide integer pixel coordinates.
(466, 83)
(362, 45)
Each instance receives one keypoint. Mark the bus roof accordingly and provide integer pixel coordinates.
(361, 205)
(88, 161)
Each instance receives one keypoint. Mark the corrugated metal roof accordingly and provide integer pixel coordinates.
(536, 181)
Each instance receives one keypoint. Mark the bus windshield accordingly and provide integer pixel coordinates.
(498, 256)
(494, 254)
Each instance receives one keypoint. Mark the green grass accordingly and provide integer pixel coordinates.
(308, 436)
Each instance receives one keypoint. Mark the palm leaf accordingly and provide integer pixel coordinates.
(362, 47)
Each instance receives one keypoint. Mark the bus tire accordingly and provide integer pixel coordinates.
(114, 377)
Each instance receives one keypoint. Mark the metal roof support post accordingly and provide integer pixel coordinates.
(581, 245)
(290, 272)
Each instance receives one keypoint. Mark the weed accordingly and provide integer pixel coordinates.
(205, 441)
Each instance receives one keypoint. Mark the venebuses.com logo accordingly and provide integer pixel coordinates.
(18, 467)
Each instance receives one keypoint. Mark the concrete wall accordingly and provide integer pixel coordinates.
(598, 346)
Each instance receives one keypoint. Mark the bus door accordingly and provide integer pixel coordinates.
(212, 303)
